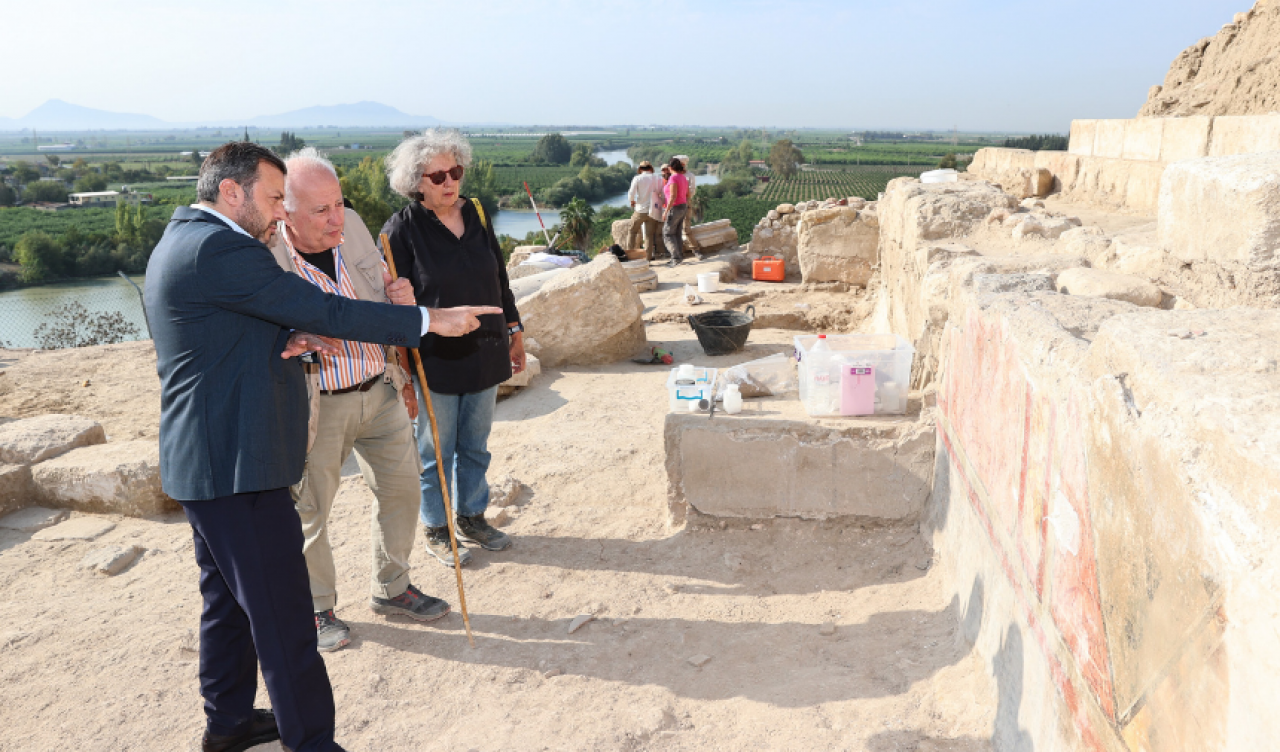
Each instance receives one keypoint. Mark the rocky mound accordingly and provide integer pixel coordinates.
(1236, 72)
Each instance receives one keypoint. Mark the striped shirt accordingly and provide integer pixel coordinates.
(359, 361)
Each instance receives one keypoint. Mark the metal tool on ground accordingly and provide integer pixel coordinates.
(435, 440)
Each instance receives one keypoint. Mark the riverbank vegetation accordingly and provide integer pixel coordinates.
(558, 167)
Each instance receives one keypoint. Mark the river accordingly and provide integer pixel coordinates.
(21, 311)
(518, 224)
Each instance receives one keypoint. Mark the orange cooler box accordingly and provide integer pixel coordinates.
(768, 269)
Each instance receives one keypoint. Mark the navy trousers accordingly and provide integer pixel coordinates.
(257, 609)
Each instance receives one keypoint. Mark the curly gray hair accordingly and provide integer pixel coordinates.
(406, 162)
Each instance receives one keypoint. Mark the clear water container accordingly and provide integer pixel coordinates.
(889, 355)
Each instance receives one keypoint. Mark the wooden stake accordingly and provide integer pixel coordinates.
(435, 439)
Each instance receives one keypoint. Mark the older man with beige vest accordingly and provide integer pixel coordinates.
(361, 400)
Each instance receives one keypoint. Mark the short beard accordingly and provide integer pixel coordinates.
(252, 221)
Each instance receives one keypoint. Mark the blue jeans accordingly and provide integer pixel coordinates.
(464, 421)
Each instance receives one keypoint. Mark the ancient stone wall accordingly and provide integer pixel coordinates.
(1118, 164)
(1104, 502)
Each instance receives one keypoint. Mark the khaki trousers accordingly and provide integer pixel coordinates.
(652, 230)
(376, 425)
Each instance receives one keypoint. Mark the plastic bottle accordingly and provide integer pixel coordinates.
(732, 400)
(822, 392)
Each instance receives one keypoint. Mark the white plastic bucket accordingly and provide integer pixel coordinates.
(708, 282)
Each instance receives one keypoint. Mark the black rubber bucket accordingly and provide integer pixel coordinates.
(722, 332)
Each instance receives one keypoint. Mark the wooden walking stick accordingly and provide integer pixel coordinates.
(435, 440)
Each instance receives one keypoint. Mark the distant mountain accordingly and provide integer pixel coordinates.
(358, 115)
(57, 115)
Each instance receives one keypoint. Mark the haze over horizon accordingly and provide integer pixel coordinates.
(979, 66)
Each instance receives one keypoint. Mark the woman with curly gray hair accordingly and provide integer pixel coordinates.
(445, 246)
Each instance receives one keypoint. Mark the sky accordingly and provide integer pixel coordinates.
(977, 65)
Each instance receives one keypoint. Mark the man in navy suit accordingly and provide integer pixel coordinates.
(227, 323)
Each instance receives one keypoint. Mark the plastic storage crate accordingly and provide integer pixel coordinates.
(679, 396)
(889, 354)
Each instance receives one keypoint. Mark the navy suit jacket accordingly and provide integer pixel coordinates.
(233, 413)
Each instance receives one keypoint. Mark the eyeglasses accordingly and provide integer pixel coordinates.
(437, 178)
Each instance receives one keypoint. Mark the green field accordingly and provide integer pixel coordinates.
(14, 222)
(743, 213)
(809, 185)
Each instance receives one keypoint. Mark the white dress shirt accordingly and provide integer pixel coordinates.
(642, 191)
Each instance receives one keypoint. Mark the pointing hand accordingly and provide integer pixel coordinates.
(455, 322)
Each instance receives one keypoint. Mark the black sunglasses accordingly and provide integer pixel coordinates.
(437, 178)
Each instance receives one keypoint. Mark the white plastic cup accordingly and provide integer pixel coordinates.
(708, 282)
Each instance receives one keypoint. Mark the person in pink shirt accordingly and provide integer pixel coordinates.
(677, 195)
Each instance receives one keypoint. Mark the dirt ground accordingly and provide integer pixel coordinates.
(90, 662)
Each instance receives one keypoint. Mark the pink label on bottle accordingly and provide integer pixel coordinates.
(857, 390)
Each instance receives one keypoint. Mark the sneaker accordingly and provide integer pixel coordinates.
(411, 603)
(331, 632)
(477, 530)
(673, 264)
(438, 546)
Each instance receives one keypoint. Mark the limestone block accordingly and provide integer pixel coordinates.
(786, 208)
(714, 236)
(1136, 254)
(1090, 242)
(1109, 140)
(16, 490)
(914, 218)
(1185, 138)
(77, 529)
(1244, 134)
(120, 477)
(529, 269)
(33, 519)
(32, 440)
(1098, 283)
(1064, 167)
(1119, 183)
(533, 369)
(111, 560)
(584, 316)
(779, 462)
(1082, 136)
(523, 287)
(1027, 226)
(621, 231)
(1222, 209)
(1179, 422)
(1143, 139)
(521, 253)
(838, 245)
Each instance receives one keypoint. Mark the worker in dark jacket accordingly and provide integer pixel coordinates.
(228, 323)
(445, 245)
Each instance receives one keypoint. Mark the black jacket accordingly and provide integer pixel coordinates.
(448, 271)
(233, 413)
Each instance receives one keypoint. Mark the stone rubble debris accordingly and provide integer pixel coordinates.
(111, 560)
(33, 519)
(76, 529)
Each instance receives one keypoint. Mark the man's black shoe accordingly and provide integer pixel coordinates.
(478, 530)
(260, 730)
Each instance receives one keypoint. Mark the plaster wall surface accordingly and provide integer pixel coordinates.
(1110, 489)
